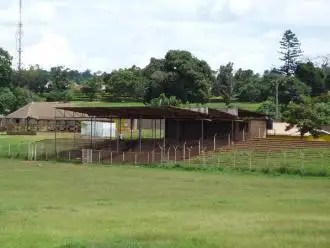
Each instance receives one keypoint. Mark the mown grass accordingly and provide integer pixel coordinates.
(109, 104)
(247, 106)
(65, 206)
(18, 146)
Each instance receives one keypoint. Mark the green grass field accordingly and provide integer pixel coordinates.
(18, 146)
(248, 106)
(65, 206)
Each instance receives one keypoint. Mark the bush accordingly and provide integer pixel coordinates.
(21, 133)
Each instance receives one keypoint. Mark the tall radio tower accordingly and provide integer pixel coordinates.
(20, 34)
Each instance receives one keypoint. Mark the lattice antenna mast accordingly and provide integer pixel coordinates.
(20, 34)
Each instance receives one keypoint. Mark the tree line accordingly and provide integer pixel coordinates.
(179, 77)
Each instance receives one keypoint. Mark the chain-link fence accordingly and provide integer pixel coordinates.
(306, 160)
(214, 153)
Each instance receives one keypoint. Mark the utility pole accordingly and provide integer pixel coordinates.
(278, 81)
(19, 37)
(277, 102)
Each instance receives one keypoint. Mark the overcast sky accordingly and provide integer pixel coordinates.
(107, 34)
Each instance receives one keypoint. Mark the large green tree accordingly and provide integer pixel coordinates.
(34, 78)
(249, 87)
(7, 101)
(163, 100)
(308, 116)
(93, 87)
(269, 108)
(5, 68)
(291, 89)
(313, 77)
(225, 83)
(24, 96)
(290, 52)
(181, 75)
(125, 82)
(58, 88)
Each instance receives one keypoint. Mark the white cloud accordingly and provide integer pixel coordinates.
(106, 34)
(50, 50)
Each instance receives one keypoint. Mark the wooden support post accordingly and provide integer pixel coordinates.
(111, 128)
(132, 130)
(164, 134)
(178, 131)
(215, 142)
(184, 151)
(201, 146)
(232, 132)
(155, 133)
(91, 141)
(140, 134)
(160, 129)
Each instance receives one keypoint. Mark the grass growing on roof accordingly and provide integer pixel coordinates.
(247, 106)
(61, 205)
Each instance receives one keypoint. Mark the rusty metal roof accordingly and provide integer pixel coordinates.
(148, 112)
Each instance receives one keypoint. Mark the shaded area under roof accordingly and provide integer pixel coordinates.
(243, 113)
(148, 112)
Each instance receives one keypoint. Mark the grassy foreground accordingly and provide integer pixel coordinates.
(66, 206)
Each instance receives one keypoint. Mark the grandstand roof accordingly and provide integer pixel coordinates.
(149, 112)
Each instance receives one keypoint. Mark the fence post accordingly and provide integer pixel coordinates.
(148, 157)
(35, 152)
(153, 156)
(19, 150)
(203, 156)
(175, 155)
(69, 156)
(123, 157)
(199, 147)
(135, 158)
(184, 151)
(234, 154)
(250, 160)
(302, 159)
(215, 142)
(111, 158)
(9, 150)
(243, 135)
(322, 165)
(189, 153)
(229, 140)
(99, 157)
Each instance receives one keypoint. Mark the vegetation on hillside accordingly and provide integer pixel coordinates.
(180, 76)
